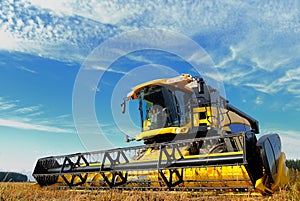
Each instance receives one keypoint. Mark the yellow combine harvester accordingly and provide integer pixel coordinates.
(194, 140)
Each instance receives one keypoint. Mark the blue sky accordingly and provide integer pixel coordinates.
(254, 45)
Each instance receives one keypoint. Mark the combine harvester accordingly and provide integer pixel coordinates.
(194, 140)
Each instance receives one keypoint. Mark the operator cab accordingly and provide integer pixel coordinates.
(162, 107)
(162, 110)
(185, 105)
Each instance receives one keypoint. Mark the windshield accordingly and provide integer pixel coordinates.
(162, 107)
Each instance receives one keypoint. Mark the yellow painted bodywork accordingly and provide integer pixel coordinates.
(210, 120)
(161, 131)
(214, 117)
(210, 177)
(282, 178)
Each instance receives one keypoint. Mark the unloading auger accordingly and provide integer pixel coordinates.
(194, 140)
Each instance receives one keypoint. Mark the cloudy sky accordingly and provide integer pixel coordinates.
(254, 45)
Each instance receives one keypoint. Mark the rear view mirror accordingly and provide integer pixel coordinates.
(200, 83)
(123, 106)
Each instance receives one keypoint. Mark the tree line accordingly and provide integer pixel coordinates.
(295, 164)
(12, 177)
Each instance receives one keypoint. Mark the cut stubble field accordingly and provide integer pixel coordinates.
(30, 191)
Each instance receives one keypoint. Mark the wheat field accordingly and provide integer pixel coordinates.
(30, 191)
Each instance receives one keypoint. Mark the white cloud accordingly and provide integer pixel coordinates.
(28, 126)
(27, 69)
(289, 82)
(139, 58)
(26, 110)
(101, 68)
(34, 114)
(261, 87)
(291, 75)
(43, 33)
(39, 24)
(7, 105)
(259, 100)
(8, 41)
(232, 57)
(14, 115)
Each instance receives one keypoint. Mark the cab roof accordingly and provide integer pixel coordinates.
(180, 81)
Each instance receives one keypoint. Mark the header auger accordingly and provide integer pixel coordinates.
(194, 140)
